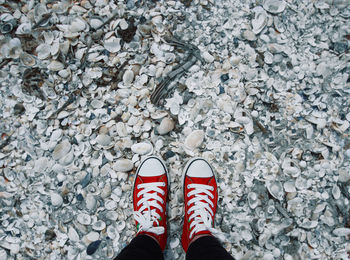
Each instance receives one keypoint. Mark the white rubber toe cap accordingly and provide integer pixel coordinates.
(151, 166)
(199, 168)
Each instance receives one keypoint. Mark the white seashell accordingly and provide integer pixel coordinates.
(66, 73)
(43, 51)
(289, 186)
(84, 219)
(93, 236)
(253, 200)
(73, 235)
(112, 44)
(128, 77)
(24, 28)
(106, 191)
(77, 25)
(336, 192)
(307, 224)
(174, 243)
(274, 6)
(142, 148)
(275, 189)
(96, 103)
(121, 129)
(90, 202)
(194, 139)
(95, 22)
(99, 225)
(341, 232)
(112, 232)
(268, 57)
(67, 159)
(121, 225)
(3, 254)
(41, 164)
(207, 57)
(61, 150)
(55, 66)
(123, 165)
(56, 135)
(249, 35)
(104, 140)
(166, 125)
(56, 199)
(27, 59)
(260, 19)
(111, 205)
(123, 24)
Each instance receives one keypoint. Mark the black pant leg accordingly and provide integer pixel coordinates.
(141, 247)
(207, 248)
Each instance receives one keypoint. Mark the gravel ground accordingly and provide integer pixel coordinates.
(258, 88)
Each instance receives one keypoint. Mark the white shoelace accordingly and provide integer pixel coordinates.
(202, 213)
(145, 216)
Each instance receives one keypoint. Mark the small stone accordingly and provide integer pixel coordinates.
(123, 165)
(91, 249)
(166, 125)
(128, 77)
(56, 199)
(50, 235)
(224, 77)
(194, 139)
(207, 57)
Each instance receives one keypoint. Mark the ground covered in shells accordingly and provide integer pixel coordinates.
(266, 102)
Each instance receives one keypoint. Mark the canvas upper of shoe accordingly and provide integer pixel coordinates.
(149, 197)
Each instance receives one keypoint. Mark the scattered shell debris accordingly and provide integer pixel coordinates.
(258, 88)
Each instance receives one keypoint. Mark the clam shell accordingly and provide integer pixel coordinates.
(260, 19)
(112, 44)
(123, 165)
(275, 189)
(142, 148)
(274, 6)
(27, 59)
(84, 219)
(194, 139)
(61, 150)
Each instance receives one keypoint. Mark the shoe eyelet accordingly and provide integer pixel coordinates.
(188, 186)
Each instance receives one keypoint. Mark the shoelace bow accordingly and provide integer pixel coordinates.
(145, 216)
(202, 213)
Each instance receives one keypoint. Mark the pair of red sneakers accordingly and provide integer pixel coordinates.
(150, 195)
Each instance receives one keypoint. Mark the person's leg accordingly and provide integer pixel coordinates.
(149, 200)
(141, 247)
(207, 248)
(200, 198)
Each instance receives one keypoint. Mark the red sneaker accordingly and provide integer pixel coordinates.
(150, 195)
(200, 198)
